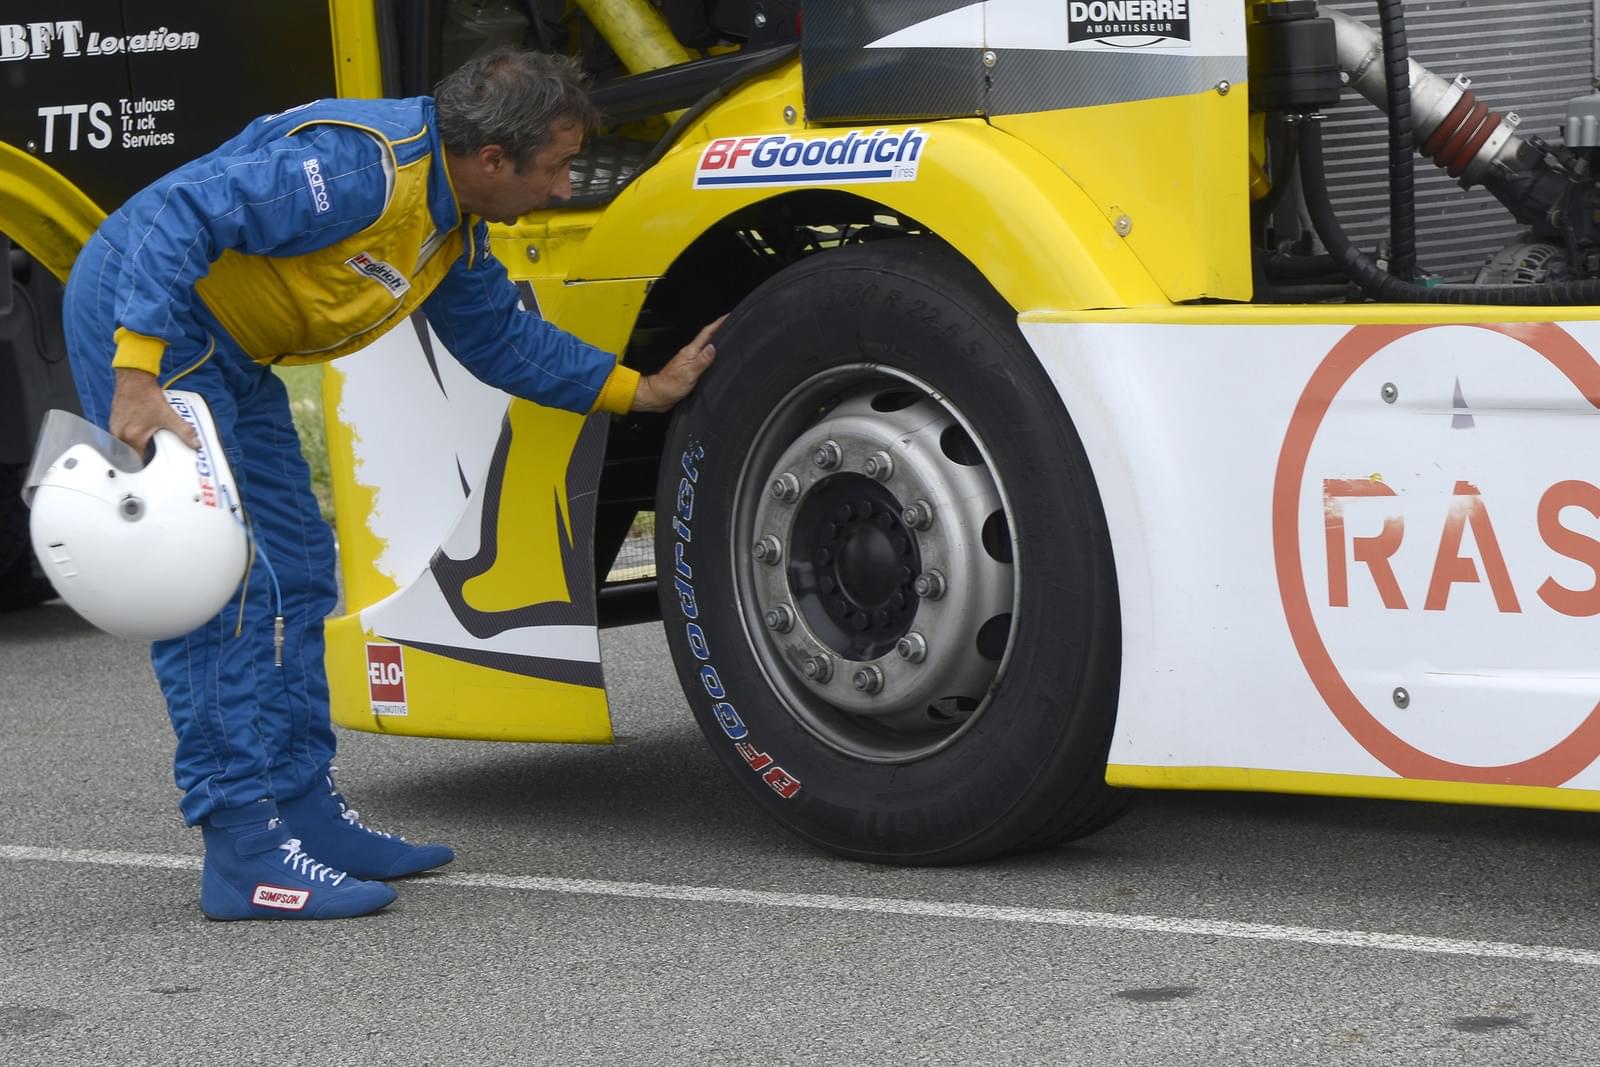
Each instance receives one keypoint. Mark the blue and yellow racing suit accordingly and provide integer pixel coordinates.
(303, 238)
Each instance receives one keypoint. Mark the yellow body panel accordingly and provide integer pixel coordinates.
(519, 577)
(601, 313)
(358, 67)
(1190, 225)
(1242, 779)
(449, 698)
(636, 32)
(1005, 206)
(1315, 314)
(44, 213)
(456, 697)
(355, 500)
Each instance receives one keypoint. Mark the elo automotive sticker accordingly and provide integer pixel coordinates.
(843, 159)
(386, 679)
(1436, 527)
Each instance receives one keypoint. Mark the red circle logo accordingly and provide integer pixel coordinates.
(1559, 762)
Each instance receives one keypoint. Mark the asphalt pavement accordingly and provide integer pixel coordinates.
(628, 904)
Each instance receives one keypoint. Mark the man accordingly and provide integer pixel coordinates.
(303, 238)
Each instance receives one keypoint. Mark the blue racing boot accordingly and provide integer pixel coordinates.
(255, 869)
(328, 826)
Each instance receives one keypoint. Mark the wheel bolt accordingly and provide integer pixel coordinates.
(929, 585)
(913, 647)
(818, 668)
(879, 466)
(780, 619)
(786, 488)
(827, 455)
(868, 679)
(768, 550)
(918, 515)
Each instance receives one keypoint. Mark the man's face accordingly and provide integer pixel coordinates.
(508, 193)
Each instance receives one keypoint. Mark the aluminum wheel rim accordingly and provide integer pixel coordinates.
(861, 473)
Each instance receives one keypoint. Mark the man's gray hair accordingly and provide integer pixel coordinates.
(511, 98)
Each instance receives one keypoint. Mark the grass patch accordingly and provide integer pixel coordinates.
(305, 402)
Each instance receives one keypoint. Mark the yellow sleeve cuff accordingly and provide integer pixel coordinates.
(138, 352)
(616, 396)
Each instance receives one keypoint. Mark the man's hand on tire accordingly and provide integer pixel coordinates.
(661, 390)
(139, 408)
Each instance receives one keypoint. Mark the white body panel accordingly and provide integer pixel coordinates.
(1202, 438)
(420, 441)
(1216, 29)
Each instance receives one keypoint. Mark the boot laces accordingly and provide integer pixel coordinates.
(308, 868)
(349, 814)
(353, 817)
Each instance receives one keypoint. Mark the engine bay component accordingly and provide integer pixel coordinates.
(1294, 59)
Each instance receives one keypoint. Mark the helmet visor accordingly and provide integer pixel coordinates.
(62, 430)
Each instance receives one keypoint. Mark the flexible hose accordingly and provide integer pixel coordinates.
(1290, 268)
(1402, 190)
(1282, 173)
(1380, 285)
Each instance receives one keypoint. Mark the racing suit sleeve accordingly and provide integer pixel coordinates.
(293, 195)
(478, 314)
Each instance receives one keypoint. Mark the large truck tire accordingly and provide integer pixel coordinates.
(885, 574)
(22, 584)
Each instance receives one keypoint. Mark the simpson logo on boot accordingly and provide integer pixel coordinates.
(273, 896)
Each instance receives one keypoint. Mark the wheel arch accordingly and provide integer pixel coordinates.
(1003, 206)
(43, 212)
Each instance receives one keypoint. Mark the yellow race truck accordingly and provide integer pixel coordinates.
(1117, 394)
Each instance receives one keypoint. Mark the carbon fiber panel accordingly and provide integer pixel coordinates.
(1027, 81)
(846, 81)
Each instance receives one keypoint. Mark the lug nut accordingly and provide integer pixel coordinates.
(786, 488)
(918, 515)
(780, 619)
(818, 668)
(768, 550)
(827, 455)
(913, 647)
(929, 585)
(879, 466)
(868, 679)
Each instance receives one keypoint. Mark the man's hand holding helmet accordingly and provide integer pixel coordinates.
(139, 408)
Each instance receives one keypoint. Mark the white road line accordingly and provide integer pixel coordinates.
(1093, 920)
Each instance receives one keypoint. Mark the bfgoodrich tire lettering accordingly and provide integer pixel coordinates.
(885, 574)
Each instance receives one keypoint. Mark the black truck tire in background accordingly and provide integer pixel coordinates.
(22, 583)
(885, 574)
(34, 377)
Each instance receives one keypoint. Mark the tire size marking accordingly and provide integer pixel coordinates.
(781, 781)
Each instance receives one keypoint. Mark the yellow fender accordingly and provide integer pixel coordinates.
(1034, 233)
(43, 212)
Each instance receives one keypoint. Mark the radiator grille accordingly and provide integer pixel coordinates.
(1530, 57)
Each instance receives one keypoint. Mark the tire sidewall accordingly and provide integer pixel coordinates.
(918, 308)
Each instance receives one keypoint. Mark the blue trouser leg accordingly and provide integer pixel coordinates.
(246, 729)
(290, 530)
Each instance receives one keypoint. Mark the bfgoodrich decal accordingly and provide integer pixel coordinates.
(843, 159)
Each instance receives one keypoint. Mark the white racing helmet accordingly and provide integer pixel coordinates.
(141, 549)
